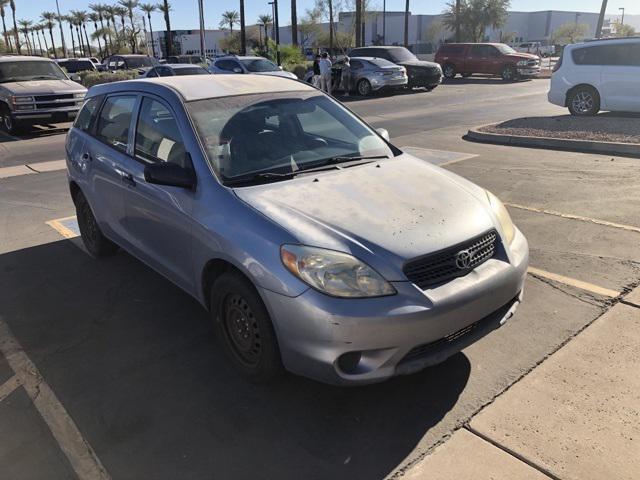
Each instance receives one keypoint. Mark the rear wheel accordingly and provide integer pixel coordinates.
(584, 102)
(449, 70)
(246, 329)
(94, 241)
(364, 87)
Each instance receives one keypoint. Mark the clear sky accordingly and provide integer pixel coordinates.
(185, 14)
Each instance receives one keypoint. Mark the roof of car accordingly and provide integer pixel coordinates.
(200, 87)
(22, 58)
(182, 65)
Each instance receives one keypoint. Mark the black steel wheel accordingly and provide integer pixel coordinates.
(449, 71)
(94, 241)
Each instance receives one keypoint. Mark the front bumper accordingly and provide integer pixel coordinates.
(359, 341)
(528, 71)
(391, 83)
(51, 116)
(425, 80)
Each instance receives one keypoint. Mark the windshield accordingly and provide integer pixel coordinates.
(505, 49)
(259, 65)
(138, 62)
(401, 55)
(30, 70)
(77, 66)
(190, 71)
(280, 133)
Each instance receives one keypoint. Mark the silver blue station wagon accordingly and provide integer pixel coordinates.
(316, 245)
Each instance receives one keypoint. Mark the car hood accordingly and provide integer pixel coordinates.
(277, 73)
(523, 56)
(419, 63)
(39, 87)
(383, 213)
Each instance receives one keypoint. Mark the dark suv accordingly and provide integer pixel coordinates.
(420, 73)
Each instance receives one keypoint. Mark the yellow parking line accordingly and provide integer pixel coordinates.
(573, 282)
(9, 386)
(81, 456)
(570, 216)
(60, 228)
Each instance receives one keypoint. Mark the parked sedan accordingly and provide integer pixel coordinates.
(248, 65)
(368, 75)
(178, 69)
(316, 245)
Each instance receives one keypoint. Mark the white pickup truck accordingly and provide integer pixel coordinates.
(36, 90)
(536, 48)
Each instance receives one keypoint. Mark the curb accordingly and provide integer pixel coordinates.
(583, 146)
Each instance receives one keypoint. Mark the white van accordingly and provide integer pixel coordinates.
(598, 75)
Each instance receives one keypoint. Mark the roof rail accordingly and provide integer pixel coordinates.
(634, 37)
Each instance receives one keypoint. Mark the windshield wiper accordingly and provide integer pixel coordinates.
(258, 177)
(44, 77)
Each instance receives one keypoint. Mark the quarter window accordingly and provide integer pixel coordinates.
(157, 135)
(621, 54)
(115, 120)
(87, 114)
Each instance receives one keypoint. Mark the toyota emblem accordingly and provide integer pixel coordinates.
(463, 259)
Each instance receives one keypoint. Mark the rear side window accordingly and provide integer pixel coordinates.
(227, 65)
(158, 138)
(88, 113)
(356, 64)
(451, 49)
(622, 54)
(114, 121)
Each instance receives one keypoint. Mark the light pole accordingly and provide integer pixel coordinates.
(64, 45)
(203, 52)
(622, 21)
(276, 28)
(384, 22)
(603, 9)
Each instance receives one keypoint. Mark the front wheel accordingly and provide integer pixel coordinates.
(509, 73)
(246, 329)
(364, 87)
(9, 125)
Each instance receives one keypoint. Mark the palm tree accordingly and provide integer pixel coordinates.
(294, 22)
(83, 17)
(7, 41)
(149, 8)
(77, 21)
(25, 26)
(165, 8)
(48, 18)
(110, 17)
(122, 13)
(69, 20)
(93, 17)
(130, 5)
(36, 28)
(229, 19)
(41, 28)
(12, 4)
(265, 21)
(33, 40)
(100, 10)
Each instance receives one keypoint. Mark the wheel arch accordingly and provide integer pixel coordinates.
(580, 85)
(211, 271)
(74, 190)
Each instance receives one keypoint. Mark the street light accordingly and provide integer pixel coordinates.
(622, 21)
(203, 52)
(276, 29)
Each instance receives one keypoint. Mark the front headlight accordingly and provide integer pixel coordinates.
(508, 228)
(522, 63)
(334, 273)
(16, 100)
(80, 95)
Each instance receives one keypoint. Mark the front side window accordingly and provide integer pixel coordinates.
(227, 65)
(504, 49)
(158, 138)
(140, 62)
(114, 121)
(23, 71)
(87, 114)
(260, 65)
(280, 133)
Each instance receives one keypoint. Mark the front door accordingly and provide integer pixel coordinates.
(158, 217)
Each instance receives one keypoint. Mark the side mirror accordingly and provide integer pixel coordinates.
(384, 133)
(170, 174)
(237, 70)
(75, 78)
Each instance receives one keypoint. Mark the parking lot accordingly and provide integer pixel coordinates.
(108, 370)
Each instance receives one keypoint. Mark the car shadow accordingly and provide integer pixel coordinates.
(480, 80)
(354, 97)
(136, 364)
(37, 131)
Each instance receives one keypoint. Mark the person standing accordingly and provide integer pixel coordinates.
(345, 75)
(316, 72)
(325, 73)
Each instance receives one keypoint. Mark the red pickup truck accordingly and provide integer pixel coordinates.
(488, 58)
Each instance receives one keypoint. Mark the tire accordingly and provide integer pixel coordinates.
(466, 75)
(583, 101)
(94, 241)
(8, 124)
(509, 73)
(364, 87)
(243, 323)
(449, 71)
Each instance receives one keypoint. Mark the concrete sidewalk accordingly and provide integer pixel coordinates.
(575, 416)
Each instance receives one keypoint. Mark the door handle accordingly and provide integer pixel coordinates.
(126, 177)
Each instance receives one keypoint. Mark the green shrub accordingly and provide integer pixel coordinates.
(299, 70)
(89, 78)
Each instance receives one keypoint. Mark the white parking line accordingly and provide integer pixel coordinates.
(81, 456)
(630, 228)
(9, 386)
(573, 282)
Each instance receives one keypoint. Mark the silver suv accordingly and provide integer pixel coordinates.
(36, 90)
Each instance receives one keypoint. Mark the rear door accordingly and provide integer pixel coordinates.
(620, 76)
(158, 217)
(107, 155)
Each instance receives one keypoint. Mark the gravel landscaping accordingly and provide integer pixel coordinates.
(601, 128)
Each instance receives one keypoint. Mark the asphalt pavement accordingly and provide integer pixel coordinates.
(135, 366)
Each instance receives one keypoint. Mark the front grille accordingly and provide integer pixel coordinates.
(48, 106)
(533, 63)
(49, 98)
(424, 72)
(447, 264)
(428, 349)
